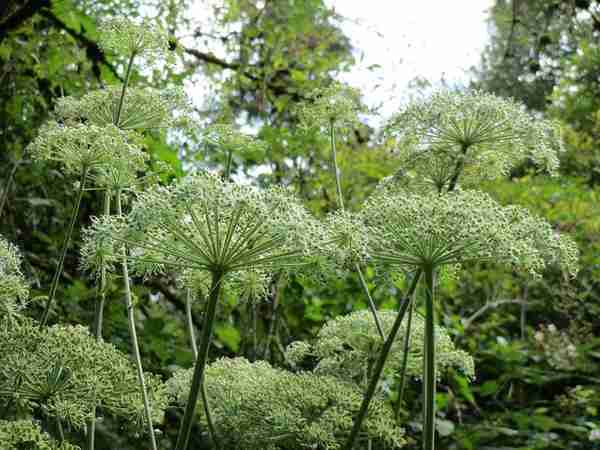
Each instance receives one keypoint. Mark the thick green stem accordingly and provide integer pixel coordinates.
(402, 384)
(429, 362)
(340, 199)
(65, 247)
(133, 334)
(190, 324)
(379, 365)
(97, 326)
(198, 377)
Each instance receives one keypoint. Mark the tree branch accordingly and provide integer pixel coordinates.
(22, 15)
(490, 305)
(93, 52)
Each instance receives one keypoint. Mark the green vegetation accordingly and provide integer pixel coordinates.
(433, 284)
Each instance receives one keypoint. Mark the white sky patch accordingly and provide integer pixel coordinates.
(404, 39)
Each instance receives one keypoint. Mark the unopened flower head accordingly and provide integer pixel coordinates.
(205, 223)
(68, 372)
(81, 146)
(14, 290)
(336, 104)
(256, 406)
(346, 344)
(141, 109)
(124, 37)
(469, 136)
(432, 230)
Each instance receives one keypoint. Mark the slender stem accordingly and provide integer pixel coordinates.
(101, 299)
(197, 379)
(7, 186)
(336, 170)
(340, 199)
(190, 324)
(65, 248)
(273, 322)
(228, 166)
(97, 326)
(254, 313)
(61, 433)
(429, 362)
(133, 334)
(460, 164)
(371, 303)
(378, 368)
(402, 384)
(117, 117)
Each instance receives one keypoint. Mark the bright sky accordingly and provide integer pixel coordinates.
(435, 39)
(399, 40)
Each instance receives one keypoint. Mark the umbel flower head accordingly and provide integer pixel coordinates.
(335, 104)
(66, 372)
(205, 223)
(346, 344)
(256, 406)
(14, 291)
(81, 146)
(471, 136)
(22, 434)
(227, 137)
(146, 39)
(432, 230)
(141, 108)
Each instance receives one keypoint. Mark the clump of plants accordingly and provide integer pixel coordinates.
(426, 222)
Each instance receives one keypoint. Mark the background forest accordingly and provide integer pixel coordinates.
(536, 344)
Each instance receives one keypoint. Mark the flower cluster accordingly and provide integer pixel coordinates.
(67, 372)
(21, 434)
(412, 230)
(207, 224)
(13, 288)
(474, 136)
(335, 104)
(254, 405)
(345, 346)
(228, 138)
(82, 146)
(346, 239)
(141, 108)
(126, 38)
